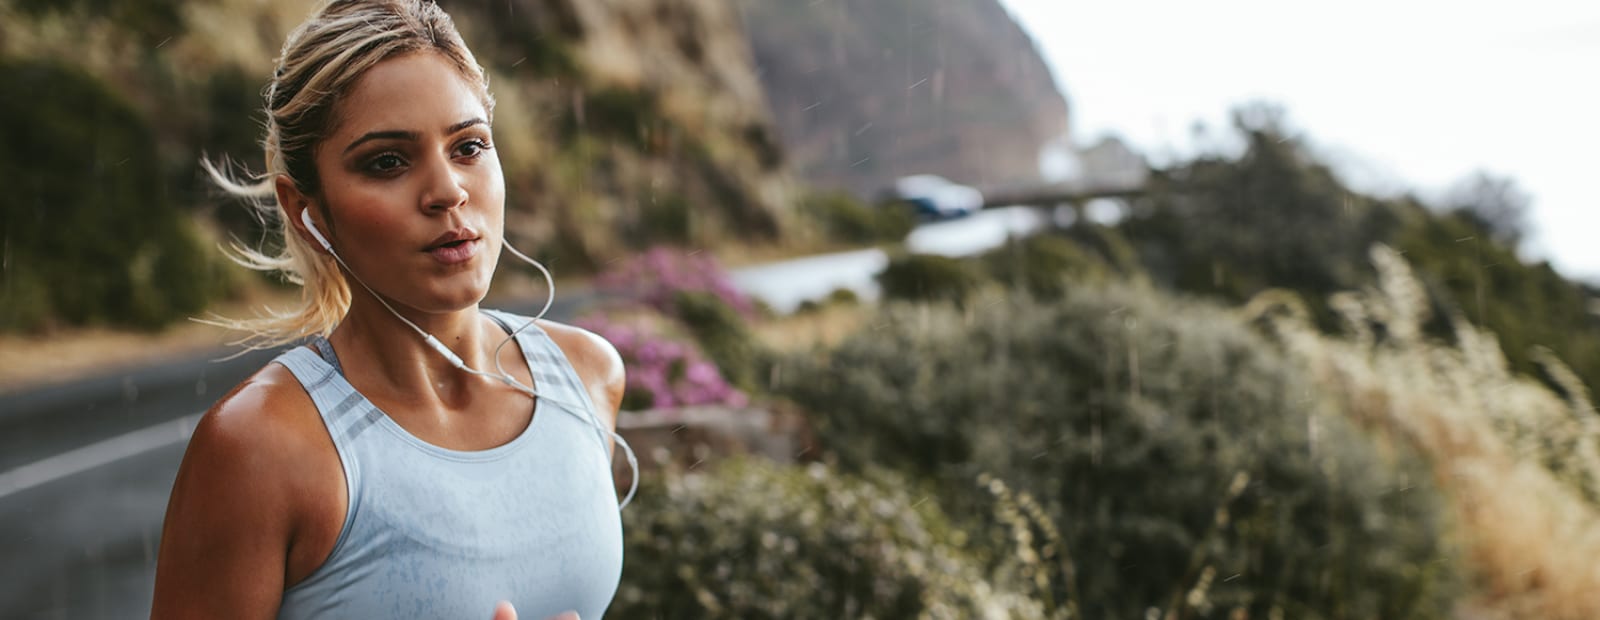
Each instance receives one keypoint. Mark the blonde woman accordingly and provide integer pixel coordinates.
(386, 469)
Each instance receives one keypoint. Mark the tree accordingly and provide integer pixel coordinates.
(1495, 203)
(1272, 217)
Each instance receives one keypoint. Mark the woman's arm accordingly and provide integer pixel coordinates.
(232, 516)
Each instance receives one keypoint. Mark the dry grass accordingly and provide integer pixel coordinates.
(28, 360)
(825, 327)
(1515, 457)
(36, 360)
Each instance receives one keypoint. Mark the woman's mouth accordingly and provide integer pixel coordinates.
(458, 251)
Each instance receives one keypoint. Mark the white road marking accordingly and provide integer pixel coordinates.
(94, 455)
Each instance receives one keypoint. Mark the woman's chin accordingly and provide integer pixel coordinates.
(456, 299)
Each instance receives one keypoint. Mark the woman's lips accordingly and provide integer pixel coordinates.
(455, 253)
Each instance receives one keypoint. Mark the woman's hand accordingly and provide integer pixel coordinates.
(504, 611)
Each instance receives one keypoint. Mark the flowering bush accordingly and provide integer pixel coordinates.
(658, 276)
(662, 371)
(694, 290)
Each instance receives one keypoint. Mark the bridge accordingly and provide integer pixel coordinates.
(1055, 195)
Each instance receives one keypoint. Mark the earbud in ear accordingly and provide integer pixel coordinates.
(305, 218)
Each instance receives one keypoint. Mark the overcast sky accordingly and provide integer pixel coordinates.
(1414, 93)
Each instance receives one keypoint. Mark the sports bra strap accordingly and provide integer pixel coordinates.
(325, 349)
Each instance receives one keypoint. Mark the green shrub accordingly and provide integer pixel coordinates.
(91, 237)
(154, 21)
(1273, 217)
(1044, 265)
(843, 297)
(1526, 306)
(724, 336)
(666, 220)
(1107, 243)
(844, 218)
(1187, 466)
(929, 277)
(615, 112)
(750, 539)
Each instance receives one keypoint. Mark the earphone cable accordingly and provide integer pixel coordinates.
(503, 376)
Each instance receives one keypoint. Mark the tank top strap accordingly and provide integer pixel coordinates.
(554, 377)
(339, 405)
(334, 399)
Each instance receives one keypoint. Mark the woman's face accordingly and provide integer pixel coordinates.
(412, 185)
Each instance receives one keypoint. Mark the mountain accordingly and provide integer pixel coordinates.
(865, 91)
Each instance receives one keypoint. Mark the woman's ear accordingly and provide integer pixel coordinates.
(296, 206)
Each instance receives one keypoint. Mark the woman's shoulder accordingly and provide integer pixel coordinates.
(581, 344)
(596, 361)
(594, 357)
(258, 485)
(267, 427)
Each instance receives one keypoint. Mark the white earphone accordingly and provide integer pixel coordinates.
(500, 373)
(305, 218)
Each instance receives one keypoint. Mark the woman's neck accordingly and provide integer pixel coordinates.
(385, 350)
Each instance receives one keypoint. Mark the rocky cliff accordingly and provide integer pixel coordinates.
(868, 90)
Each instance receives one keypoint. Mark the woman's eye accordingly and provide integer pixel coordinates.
(472, 148)
(387, 162)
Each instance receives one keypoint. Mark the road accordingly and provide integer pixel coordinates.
(783, 285)
(85, 468)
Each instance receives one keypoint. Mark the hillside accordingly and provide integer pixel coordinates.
(867, 90)
(620, 125)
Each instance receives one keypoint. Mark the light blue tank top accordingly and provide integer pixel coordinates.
(438, 533)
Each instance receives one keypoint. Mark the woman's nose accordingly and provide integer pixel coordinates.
(446, 188)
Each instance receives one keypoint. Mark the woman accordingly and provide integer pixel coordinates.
(368, 474)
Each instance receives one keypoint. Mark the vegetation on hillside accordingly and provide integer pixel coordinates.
(597, 164)
(1229, 459)
(91, 236)
(1161, 438)
(1336, 435)
(1275, 217)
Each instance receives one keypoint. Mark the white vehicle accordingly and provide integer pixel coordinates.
(935, 197)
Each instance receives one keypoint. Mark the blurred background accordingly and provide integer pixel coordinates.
(932, 308)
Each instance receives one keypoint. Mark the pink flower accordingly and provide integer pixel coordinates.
(657, 276)
(663, 372)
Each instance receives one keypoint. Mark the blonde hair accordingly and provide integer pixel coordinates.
(321, 60)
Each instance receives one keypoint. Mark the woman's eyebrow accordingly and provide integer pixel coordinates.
(388, 134)
(397, 134)
(465, 124)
